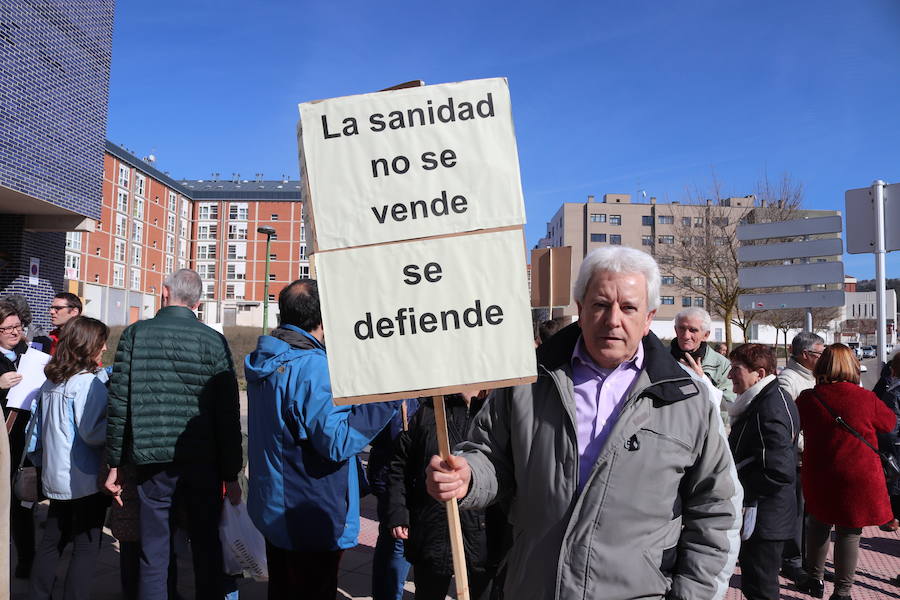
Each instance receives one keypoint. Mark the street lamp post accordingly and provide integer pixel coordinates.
(268, 232)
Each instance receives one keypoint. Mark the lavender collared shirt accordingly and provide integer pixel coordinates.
(599, 394)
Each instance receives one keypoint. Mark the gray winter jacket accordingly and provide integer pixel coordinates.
(658, 517)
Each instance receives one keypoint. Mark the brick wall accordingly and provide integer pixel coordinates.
(17, 248)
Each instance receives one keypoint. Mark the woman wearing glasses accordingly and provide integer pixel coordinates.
(12, 347)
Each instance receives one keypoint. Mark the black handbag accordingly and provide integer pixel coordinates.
(888, 461)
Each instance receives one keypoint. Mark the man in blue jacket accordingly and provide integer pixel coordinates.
(304, 474)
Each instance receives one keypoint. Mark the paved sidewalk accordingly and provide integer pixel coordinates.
(879, 563)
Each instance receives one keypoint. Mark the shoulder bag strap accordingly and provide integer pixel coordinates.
(840, 421)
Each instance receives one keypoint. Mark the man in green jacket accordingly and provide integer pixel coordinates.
(689, 347)
(173, 412)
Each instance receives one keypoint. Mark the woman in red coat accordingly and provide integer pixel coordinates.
(843, 481)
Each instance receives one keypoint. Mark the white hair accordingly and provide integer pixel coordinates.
(619, 259)
(689, 313)
(184, 287)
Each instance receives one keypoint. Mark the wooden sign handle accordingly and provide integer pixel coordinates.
(456, 537)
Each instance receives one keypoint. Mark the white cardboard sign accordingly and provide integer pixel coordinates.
(411, 163)
(427, 314)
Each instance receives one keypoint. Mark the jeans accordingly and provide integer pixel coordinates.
(197, 489)
(79, 522)
(389, 567)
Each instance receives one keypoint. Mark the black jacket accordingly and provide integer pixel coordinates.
(409, 503)
(763, 442)
(890, 442)
(17, 435)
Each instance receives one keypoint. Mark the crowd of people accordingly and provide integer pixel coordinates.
(628, 469)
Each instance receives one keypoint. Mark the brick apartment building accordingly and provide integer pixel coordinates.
(151, 224)
(53, 91)
(658, 229)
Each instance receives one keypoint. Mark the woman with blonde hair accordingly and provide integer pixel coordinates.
(843, 481)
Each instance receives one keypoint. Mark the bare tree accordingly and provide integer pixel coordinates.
(700, 247)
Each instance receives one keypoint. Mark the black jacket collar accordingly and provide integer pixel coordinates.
(669, 382)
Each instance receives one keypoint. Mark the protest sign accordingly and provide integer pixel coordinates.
(411, 163)
(425, 317)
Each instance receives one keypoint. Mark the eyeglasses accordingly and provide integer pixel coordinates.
(11, 329)
(813, 352)
(60, 307)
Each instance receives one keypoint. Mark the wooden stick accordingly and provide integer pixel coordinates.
(404, 415)
(456, 538)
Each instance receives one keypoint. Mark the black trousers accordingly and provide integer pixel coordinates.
(162, 489)
(79, 522)
(299, 574)
(793, 548)
(434, 586)
(760, 562)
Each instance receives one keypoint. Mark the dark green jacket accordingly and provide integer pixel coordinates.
(173, 395)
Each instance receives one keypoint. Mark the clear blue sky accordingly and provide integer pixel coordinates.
(608, 97)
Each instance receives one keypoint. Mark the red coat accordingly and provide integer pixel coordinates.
(843, 482)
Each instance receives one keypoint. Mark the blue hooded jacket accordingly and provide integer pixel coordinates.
(304, 474)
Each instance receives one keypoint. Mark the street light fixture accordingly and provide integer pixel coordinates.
(268, 232)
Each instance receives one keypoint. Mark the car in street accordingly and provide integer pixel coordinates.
(868, 351)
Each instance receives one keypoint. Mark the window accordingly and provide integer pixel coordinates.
(135, 279)
(615, 219)
(238, 231)
(699, 302)
(138, 209)
(686, 221)
(122, 201)
(73, 261)
(209, 290)
(206, 251)
(182, 263)
(720, 241)
(184, 228)
(182, 248)
(597, 218)
(304, 271)
(119, 251)
(185, 208)
(274, 236)
(686, 301)
(274, 217)
(170, 222)
(665, 260)
(237, 211)
(172, 201)
(207, 232)
(302, 251)
(646, 240)
(273, 256)
(271, 297)
(208, 211)
(136, 256)
(119, 275)
(720, 221)
(272, 277)
(698, 221)
(667, 280)
(73, 240)
(615, 239)
(236, 271)
(123, 181)
(206, 270)
(302, 233)
(667, 300)
(699, 281)
(647, 220)
(170, 264)
(121, 225)
(231, 291)
(139, 182)
(170, 244)
(686, 281)
(237, 251)
(598, 237)
(137, 232)
(665, 219)
(666, 239)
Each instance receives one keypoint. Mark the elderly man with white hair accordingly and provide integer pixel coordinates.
(613, 465)
(692, 326)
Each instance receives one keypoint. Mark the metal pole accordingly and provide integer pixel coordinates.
(266, 287)
(809, 319)
(880, 299)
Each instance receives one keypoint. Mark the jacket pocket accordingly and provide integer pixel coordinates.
(662, 558)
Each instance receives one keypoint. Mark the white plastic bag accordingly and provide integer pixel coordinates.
(243, 546)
